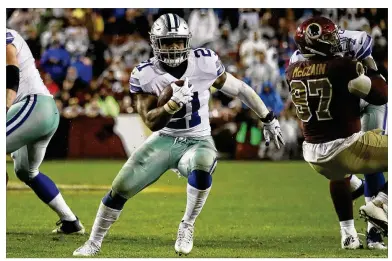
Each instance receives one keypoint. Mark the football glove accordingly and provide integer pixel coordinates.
(272, 129)
(182, 94)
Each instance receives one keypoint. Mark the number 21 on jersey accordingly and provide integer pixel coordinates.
(318, 90)
(195, 119)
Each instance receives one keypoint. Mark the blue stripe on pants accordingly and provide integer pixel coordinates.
(384, 124)
(212, 169)
(19, 112)
(25, 117)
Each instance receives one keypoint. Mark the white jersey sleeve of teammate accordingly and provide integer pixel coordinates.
(13, 38)
(296, 57)
(357, 44)
(30, 80)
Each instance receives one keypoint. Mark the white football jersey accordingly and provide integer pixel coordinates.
(30, 81)
(204, 67)
(355, 44)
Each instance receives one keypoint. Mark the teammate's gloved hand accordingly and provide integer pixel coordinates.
(182, 94)
(272, 129)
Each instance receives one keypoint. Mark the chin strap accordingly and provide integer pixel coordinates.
(313, 52)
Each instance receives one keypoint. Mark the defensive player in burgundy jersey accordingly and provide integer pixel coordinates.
(358, 45)
(182, 134)
(326, 90)
(318, 90)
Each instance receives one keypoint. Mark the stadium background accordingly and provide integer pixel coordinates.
(85, 57)
(255, 209)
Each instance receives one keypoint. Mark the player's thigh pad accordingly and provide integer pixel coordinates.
(374, 117)
(28, 158)
(331, 170)
(368, 154)
(201, 156)
(29, 120)
(144, 167)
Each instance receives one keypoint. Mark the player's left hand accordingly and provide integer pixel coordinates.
(272, 129)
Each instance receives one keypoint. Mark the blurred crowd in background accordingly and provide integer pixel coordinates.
(85, 57)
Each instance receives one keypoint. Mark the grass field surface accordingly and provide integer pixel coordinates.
(255, 209)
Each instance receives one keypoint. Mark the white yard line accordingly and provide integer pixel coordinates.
(88, 187)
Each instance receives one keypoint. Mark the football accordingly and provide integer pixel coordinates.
(167, 93)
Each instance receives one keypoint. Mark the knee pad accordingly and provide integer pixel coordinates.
(200, 179)
(204, 159)
(113, 200)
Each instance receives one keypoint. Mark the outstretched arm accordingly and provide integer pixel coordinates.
(232, 86)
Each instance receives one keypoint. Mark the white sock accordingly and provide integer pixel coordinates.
(105, 218)
(194, 203)
(61, 208)
(355, 183)
(369, 225)
(347, 224)
(382, 197)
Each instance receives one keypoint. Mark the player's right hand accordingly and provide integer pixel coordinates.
(182, 94)
(272, 130)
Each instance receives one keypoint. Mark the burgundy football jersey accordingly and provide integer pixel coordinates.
(319, 90)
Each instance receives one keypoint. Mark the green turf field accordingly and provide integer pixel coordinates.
(254, 210)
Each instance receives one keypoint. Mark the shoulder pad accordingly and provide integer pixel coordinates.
(208, 62)
(141, 75)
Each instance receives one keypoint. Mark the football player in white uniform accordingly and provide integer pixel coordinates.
(358, 45)
(32, 119)
(182, 135)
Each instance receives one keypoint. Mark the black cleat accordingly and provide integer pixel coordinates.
(374, 239)
(69, 227)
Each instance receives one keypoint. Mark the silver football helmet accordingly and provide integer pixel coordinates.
(166, 29)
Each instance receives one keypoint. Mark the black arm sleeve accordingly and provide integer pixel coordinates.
(12, 77)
